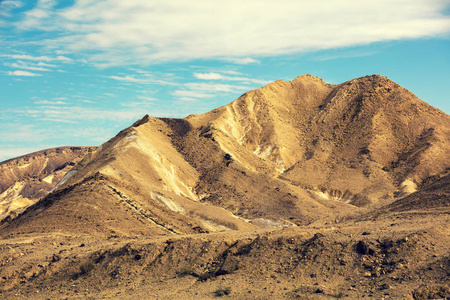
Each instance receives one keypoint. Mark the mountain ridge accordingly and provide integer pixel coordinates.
(281, 155)
(300, 189)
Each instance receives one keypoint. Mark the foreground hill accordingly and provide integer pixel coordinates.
(298, 189)
(26, 179)
(282, 155)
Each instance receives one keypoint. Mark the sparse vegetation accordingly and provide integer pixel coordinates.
(86, 268)
(186, 270)
(222, 291)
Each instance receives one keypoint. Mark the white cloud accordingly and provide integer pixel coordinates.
(38, 58)
(350, 54)
(218, 76)
(231, 72)
(47, 102)
(209, 76)
(213, 87)
(189, 95)
(136, 104)
(16, 132)
(140, 80)
(144, 32)
(41, 12)
(7, 6)
(244, 61)
(78, 114)
(21, 65)
(22, 73)
(42, 64)
(150, 99)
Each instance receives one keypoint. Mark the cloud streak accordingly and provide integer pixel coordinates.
(190, 95)
(218, 76)
(7, 6)
(38, 58)
(21, 65)
(22, 73)
(140, 80)
(116, 32)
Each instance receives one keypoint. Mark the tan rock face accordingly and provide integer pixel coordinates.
(283, 155)
(26, 179)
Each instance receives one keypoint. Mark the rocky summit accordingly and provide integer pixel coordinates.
(299, 189)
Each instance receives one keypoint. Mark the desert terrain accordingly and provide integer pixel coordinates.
(26, 179)
(297, 190)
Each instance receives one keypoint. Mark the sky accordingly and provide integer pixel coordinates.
(76, 72)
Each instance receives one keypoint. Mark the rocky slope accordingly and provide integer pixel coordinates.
(283, 155)
(299, 189)
(26, 179)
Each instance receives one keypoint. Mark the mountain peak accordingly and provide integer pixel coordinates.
(287, 153)
(306, 77)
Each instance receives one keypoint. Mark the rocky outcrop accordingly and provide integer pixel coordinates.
(26, 179)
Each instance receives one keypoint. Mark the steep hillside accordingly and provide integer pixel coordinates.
(283, 155)
(26, 179)
(434, 195)
(359, 142)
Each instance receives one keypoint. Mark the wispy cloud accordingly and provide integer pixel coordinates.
(244, 61)
(38, 58)
(218, 76)
(190, 95)
(114, 32)
(48, 102)
(7, 6)
(216, 87)
(149, 99)
(140, 79)
(31, 133)
(22, 65)
(347, 54)
(22, 73)
(76, 114)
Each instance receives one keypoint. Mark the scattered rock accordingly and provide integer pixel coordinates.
(364, 249)
(319, 290)
(56, 258)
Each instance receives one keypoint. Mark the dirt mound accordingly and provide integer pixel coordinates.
(26, 179)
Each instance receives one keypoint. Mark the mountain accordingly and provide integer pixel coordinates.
(286, 154)
(299, 189)
(26, 179)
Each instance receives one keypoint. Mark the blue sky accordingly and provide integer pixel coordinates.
(76, 72)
